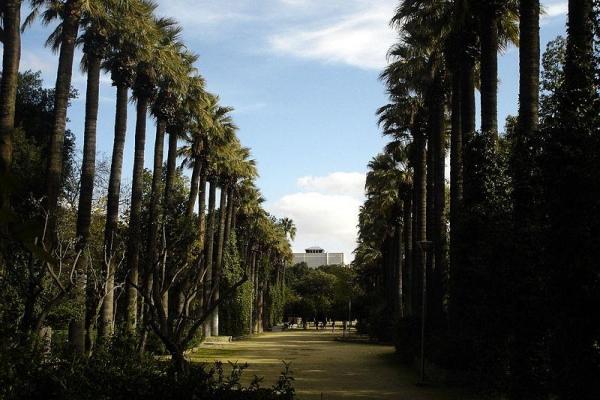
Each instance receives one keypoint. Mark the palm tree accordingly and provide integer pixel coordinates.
(128, 42)
(94, 40)
(165, 60)
(10, 12)
(63, 40)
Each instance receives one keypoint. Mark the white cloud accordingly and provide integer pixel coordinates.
(556, 9)
(361, 38)
(346, 183)
(325, 211)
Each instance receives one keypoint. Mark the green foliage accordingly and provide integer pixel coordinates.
(112, 373)
(234, 313)
(319, 293)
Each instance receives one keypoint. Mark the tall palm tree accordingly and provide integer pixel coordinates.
(128, 42)
(164, 60)
(63, 40)
(10, 11)
(95, 43)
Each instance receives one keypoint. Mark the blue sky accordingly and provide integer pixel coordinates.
(303, 78)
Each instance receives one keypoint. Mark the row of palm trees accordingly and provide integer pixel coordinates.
(480, 271)
(149, 64)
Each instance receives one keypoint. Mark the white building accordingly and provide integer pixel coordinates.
(316, 257)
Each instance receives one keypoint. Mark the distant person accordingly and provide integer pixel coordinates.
(333, 325)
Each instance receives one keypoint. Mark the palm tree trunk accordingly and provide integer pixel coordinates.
(168, 196)
(193, 189)
(456, 167)
(70, 27)
(489, 70)
(84, 211)
(578, 61)
(11, 21)
(420, 173)
(135, 216)
(408, 255)
(439, 200)
(218, 266)
(154, 218)
(202, 206)
(171, 167)
(105, 329)
(523, 159)
(229, 220)
(210, 230)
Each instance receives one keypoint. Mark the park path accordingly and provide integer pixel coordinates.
(324, 368)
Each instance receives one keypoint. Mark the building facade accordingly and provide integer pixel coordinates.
(316, 257)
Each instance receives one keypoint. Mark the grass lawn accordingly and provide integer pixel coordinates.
(324, 368)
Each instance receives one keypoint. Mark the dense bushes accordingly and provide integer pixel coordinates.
(112, 373)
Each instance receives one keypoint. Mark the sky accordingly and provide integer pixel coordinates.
(302, 76)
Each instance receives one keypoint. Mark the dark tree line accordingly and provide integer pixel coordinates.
(502, 262)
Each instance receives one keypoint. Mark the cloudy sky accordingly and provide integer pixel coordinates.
(302, 76)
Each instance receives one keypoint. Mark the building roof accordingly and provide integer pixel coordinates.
(314, 248)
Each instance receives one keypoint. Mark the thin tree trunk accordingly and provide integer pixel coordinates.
(408, 255)
(218, 266)
(171, 167)
(229, 221)
(11, 57)
(84, 211)
(420, 215)
(135, 217)
(439, 202)
(168, 197)
(195, 180)
(194, 183)
(210, 230)
(154, 220)
(202, 207)
(70, 27)
(489, 70)
(105, 329)
(467, 111)
(456, 168)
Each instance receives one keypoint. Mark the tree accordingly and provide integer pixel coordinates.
(10, 12)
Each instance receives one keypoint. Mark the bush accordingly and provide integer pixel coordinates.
(112, 373)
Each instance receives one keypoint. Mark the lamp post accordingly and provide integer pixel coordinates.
(425, 246)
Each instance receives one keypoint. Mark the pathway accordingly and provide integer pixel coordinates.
(321, 365)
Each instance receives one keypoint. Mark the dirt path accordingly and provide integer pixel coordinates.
(321, 365)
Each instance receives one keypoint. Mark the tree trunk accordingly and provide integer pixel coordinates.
(420, 234)
(202, 207)
(578, 61)
(70, 26)
(105, 329)
(456, 168)
(439, 201)
(197, 148)
(524, 215)
(154, 218)
(135, 216)
(489, 69)
(11, 21)
(408, 255)
(84, 211)
(229, 221)
(218, 265)
(210, 230)
(171, 167)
